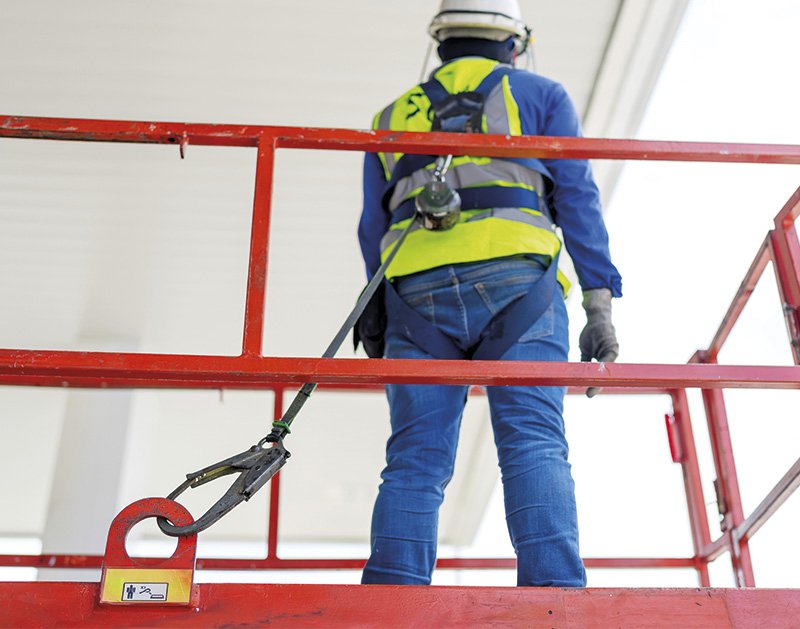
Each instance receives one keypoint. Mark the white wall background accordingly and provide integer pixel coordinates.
(683, 236)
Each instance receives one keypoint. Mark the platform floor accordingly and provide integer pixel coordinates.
(245, 605)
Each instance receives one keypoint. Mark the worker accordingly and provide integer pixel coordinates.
(486, 289)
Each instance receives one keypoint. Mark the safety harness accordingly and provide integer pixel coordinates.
(463, 113)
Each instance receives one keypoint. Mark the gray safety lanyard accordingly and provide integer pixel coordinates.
(281, 427)
(258, 464)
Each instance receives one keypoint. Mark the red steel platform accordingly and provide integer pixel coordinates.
(26, 605)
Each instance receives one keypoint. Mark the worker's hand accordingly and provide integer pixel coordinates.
(598, 339)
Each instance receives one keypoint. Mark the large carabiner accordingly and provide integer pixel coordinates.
(255, 467)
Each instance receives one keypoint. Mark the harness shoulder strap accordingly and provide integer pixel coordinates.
(492, 79)
(436, 92)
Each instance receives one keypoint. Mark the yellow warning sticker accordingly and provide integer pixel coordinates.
(139, 585)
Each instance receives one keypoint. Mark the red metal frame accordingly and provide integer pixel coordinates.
(252, 370)
(36, 605)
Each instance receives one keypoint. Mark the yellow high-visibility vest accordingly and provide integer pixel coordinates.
(503, 213)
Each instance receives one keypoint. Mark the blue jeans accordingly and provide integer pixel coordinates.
(528, 432)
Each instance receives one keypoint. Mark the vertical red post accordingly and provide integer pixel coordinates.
(259, 244)
(274, 487)
(695, 500)
(727, 484)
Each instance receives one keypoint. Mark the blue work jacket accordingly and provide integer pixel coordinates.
(573, 199)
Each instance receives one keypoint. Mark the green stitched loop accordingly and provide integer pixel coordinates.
(284, 425)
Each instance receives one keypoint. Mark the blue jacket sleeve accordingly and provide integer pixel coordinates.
(374, 221)
(546, 109)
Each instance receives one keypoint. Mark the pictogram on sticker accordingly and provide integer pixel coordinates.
(144, 591)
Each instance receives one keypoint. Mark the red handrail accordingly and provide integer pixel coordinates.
(251, 370)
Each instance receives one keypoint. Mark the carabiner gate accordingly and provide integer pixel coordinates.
(255, 467)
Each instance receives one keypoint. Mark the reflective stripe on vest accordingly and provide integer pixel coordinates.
(507, 213)
(471, 172)
(501, 210)
(479, 199)
(479, 235)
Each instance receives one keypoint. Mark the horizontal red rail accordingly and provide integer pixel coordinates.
(101, 369)
(275, 563)
(353, 140)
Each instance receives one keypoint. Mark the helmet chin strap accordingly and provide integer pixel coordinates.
(530, 59)
(423, 75)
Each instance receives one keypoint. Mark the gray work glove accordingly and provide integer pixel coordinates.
(598, 339)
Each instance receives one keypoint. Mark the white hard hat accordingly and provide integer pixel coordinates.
(485, 19)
